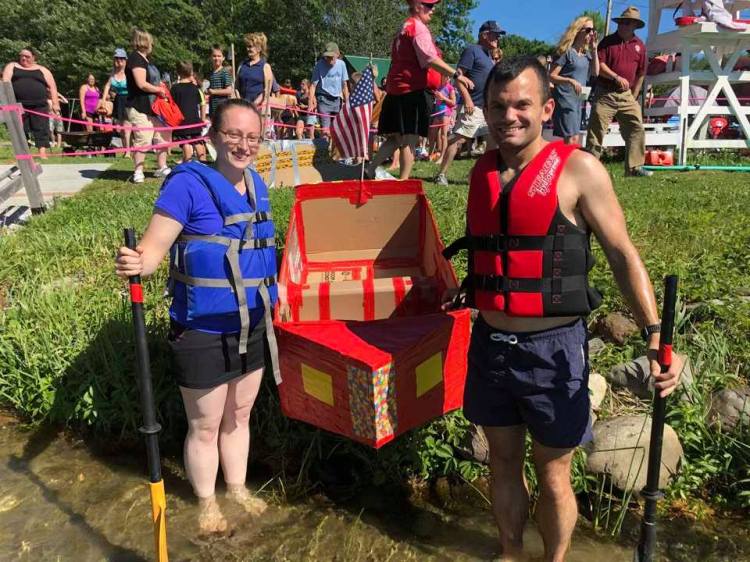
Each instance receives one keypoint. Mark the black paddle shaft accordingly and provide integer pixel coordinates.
(651, 492)
(150, 427)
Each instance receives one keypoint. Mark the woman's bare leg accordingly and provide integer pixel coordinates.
(204, 409)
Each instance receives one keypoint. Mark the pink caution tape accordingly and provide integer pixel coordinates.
(119, 150)
(112, 126)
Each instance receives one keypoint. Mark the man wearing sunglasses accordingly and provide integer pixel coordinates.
(622, 67)
(475, 63)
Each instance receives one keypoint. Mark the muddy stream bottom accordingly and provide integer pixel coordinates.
(59, 500)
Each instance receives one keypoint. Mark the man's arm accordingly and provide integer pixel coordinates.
(601, 210)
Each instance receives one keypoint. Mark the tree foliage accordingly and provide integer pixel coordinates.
(514, 45)
(75, 38)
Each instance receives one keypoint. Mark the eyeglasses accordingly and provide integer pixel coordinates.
(234, 137)
(587, 29)
(428, 7)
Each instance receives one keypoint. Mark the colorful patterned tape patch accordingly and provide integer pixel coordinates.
(372, 399)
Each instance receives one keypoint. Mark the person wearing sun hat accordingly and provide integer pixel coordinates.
(415, 70)
(622, 67)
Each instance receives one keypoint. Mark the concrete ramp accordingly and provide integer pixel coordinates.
(56, 180)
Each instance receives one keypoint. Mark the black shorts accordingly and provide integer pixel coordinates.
(406, 114)
(537, 379)
(37, 125)
(186, 134)
(207, 360)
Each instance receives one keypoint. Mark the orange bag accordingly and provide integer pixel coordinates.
(167, 110)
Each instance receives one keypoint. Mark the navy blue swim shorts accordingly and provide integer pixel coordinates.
(537, 379)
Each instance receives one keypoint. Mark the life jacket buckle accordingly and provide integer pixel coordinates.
(512, 339)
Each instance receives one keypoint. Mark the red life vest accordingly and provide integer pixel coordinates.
(405, 74)
(525, 257)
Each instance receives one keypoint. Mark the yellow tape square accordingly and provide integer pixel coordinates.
(318, 384)
(429, 373)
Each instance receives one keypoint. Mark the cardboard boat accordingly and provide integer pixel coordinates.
(295, 162)
(365, 350)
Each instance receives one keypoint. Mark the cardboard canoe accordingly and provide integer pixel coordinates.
(365, 350)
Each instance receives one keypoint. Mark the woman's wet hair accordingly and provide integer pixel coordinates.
(217, 119)
(511, 68)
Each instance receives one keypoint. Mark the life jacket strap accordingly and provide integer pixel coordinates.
(259, 216)
(503, 243)
(211, 283)
(502, 284)
(257, 243)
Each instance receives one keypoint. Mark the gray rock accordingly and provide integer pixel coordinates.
(616, 327)
(597, 389)
(620, 449)
(474, 445)
(596, 345)
(635, 376)
(730, 408)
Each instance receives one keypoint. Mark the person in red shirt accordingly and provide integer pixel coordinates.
(622, 67)
(415, 65)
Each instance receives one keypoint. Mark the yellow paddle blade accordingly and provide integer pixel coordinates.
(159, 516)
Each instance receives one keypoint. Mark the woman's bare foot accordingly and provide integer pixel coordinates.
(210, 518)
(240, 494)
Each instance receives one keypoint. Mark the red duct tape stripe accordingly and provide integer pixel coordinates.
(665, 355)
(294, 296)
(368, 287)
(347, 189)
(399, 290)
(324, 301)
(136, 292)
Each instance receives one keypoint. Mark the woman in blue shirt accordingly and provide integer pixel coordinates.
(214, 219)
(576, 62)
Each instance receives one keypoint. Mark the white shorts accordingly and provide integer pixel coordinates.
(472, 125)
(148, 137)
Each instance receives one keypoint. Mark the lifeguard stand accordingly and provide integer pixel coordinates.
(722, 49)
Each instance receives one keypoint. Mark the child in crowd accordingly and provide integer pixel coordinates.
(445, 101)
(187, 96)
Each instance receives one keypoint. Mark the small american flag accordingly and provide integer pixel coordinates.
(350, 129)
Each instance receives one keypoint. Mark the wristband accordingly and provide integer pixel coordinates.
(650, 329)
(456, 75)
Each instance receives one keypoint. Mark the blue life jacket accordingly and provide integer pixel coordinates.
(231, 273)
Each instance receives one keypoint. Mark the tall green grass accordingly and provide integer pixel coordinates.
(66, 351)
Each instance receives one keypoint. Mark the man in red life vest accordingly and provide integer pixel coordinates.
(531, 208)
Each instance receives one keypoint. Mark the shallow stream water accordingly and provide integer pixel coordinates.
(61, 500)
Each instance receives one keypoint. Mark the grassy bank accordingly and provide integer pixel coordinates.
(66, 351)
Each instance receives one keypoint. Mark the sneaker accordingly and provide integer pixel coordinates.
(440, 179)
(138, 176)
(163, 172)
(639, 172)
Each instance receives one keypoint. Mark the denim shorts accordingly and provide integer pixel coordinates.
(537, 379)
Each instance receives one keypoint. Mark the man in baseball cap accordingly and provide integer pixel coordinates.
(328, 88)
(475, 63)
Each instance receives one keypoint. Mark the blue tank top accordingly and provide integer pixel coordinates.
(119, 87)
(250, 79)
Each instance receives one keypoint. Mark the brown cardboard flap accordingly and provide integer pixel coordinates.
(389, 226)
